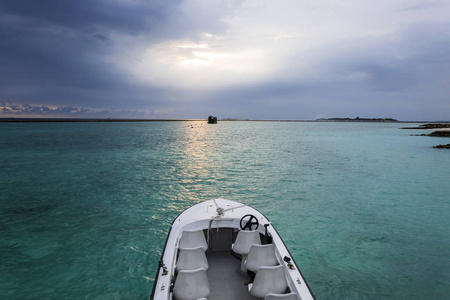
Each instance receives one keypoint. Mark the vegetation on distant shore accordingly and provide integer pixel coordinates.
(358, 119)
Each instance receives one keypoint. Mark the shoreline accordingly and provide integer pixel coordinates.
(428, 125)
(438, 126)
(441, 130)
(58, 120)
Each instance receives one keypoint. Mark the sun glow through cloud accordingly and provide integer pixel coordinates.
(202, 65)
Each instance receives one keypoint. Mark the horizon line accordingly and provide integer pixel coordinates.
(55, 119)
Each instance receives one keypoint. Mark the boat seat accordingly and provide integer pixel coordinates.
(244, 241)
(288, 296)
(260, 256)
(191, 259)
(268, 280)
(193, 239)
(191, 285)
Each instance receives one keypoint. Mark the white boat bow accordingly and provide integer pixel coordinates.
(222, 249)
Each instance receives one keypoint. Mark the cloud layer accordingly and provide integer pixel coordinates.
(250, 59)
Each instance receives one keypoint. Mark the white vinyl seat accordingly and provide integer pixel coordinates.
(191, 285)
(193, 239)
(288, 296)
(268, 280)
(243, 243)
(260, 256)
(191, 259)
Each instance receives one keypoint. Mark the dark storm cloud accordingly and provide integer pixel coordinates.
(54, 52)
(90, 16)
(415, 57)
(60, 42)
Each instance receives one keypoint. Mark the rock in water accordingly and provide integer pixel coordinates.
(442, 146)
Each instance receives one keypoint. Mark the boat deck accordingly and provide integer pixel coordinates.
(225, 277)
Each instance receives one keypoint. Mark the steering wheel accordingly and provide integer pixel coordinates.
(249, 222)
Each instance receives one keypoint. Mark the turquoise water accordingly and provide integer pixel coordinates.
(85, 207)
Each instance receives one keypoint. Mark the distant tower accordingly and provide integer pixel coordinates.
(212, 120)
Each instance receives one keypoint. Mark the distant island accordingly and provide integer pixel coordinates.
(358, 119)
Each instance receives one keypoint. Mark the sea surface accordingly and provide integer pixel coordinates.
(85, 207)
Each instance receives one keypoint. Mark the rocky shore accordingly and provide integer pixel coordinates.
(430, 126)
(443, 130)
(442, 146)
(438, 133)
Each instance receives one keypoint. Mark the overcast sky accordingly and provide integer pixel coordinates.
(274, 59)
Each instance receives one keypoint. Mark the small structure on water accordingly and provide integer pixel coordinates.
(212, 120)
